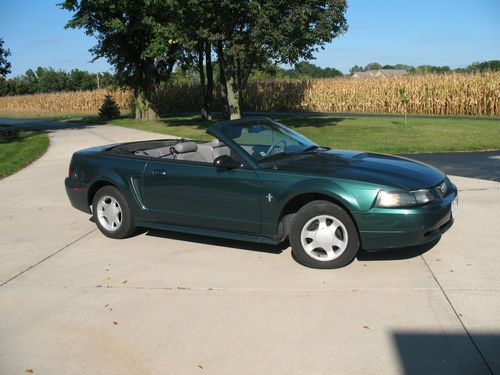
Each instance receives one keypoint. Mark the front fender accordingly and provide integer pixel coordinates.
(320, 186)
(277, 190)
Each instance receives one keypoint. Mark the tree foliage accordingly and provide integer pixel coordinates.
(144, 39)
(485, 66)
(195, 21)
(305, 70)
(42, 80)
(109, 108)
(5, 65)
(139, 38)
(372, 66)
(248, 35)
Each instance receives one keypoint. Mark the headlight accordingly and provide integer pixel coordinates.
(403, 198)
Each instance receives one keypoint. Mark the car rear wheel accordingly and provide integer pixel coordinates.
(323, 235)
(111, 213)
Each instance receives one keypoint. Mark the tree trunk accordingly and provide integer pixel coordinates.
(222, 81)
(224, 93)
(233, 99)
(201, 72)
(144, 108)
(210, 81)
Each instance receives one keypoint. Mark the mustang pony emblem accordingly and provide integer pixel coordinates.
(269, 197)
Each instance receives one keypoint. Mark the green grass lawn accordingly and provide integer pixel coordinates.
(381, 134)
(16, 152)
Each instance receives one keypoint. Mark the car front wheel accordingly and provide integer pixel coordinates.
(111, 213)
(323, 235)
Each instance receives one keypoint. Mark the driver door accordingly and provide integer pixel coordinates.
(200, 195)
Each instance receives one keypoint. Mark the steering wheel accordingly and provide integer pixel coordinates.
(275, 145)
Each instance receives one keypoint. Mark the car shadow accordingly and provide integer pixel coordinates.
(48, 125)
(215, 241)
(396, 254)
(362, 255)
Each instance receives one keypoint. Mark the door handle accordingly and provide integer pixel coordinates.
(160, 172)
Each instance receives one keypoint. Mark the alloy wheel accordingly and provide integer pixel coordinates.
(324, 238)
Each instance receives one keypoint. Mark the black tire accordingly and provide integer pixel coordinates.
(313, 210)
(127, 226)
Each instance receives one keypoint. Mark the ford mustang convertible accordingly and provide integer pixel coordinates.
(260, 181)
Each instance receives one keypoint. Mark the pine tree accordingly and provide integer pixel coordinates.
(109, 108)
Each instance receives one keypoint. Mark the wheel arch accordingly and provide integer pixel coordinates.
(95, 186)
(294, 204)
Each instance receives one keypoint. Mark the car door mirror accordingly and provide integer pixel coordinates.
(226, 162)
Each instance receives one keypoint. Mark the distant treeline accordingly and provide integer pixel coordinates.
(476, 67)
(302, 70)
(44, 80)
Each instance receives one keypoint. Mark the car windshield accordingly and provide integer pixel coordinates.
(265, 139)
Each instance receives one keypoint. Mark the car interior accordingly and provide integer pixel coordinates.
(179, 149)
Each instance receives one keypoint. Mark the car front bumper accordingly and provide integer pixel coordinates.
(387, 228)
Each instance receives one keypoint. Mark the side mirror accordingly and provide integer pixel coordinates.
(226, 162)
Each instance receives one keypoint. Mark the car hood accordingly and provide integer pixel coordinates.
(379, 169)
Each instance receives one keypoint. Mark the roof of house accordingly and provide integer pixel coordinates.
(381, 73)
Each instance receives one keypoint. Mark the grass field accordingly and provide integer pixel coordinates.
(381, 134)
(17, 151)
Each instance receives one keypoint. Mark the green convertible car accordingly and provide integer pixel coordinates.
(260, 181)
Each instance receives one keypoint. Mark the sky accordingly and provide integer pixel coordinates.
(434, 32)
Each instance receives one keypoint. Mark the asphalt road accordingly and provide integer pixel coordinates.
(74, 301)
(483, 165)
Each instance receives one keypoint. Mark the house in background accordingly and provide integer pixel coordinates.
(383, 73)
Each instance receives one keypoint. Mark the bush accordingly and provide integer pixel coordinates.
(109, 108)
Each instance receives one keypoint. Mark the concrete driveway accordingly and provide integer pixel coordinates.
(73, 301)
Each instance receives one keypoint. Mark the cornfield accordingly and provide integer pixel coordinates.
(77, 102)
(453, 94)
(450, 94)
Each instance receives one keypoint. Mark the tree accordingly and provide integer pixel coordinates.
(195, 21)
(107, 79)
(4, 87)
(355, 69)
(139, 38)
(485, 66)
(109, 108)
(372, 66)
(50, 80)
(81, 80)
(249, 34)
(404, 67)
(305, 70)
(4, 63)
(432, 69)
